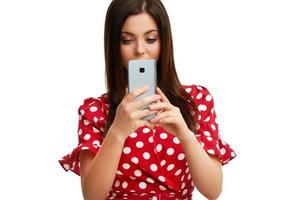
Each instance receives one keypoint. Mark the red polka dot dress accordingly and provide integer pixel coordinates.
(153, 164)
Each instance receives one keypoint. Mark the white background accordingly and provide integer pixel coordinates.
(245, 52)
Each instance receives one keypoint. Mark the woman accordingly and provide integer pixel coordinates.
(121, 156)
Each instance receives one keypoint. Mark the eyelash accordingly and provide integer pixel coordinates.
(127, 42)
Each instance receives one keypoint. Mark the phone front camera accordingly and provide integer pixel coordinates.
(142, 69)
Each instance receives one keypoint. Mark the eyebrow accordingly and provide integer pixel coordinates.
(129, 33)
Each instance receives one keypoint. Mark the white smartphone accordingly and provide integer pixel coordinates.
(141, 73)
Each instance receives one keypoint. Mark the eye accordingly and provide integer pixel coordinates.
(151, 40)
(126, 41)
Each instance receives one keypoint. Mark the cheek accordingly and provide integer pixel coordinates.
(126, 54)
(155, 51)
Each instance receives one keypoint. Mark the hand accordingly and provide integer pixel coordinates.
(170, 118)
(129, 113)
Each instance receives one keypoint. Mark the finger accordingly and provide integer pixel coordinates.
(162, 116)
(160, 105)
(167, 120)
(144, 113)
(142, 102)
(164, 98)
(132, 95)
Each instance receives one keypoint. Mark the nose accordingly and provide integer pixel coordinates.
(140, 49)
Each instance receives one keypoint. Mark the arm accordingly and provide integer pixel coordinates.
(205, 169)
(98, 172)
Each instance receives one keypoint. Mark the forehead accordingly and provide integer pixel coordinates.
(139, 24)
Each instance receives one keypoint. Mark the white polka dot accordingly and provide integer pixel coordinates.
(207, 119)
(95, 130)
(199, 96)
(176, 140)
(151, 139)
(197, 126)
(124, 184)
(202, 144)
(163, 162)
(150, 180)
(146, 130)
(181, 156)
(93, 109)
(87, 137)
(182, 185)
(154, 198)
(96, 143)
(86, 122)
(161, 178)
(182, 177)
(202, 107)
(178, 172)
(233, 154)
(189, 177)
(142, 185)
(95, 119)
(213, 127)
(170, 167)
(153, 167)
(209, 138)
(127, 150)
(199, 117)
(211, 151)
(137, 173)
(224, 143)
(117, 183)
(223, 151)
(162, 188)
(158, 147)
(208, 98)
(126, 166)
(139, 144)
(119, 172)
(188, 90)
(85, 148)
(206, 133)
(170, 151)
(133, 135)
(73, 164)
(163, 136)
(187, 170)
(216, 120)
(79, 132)
(184, 192)
(82, 112)
(146, 155)
(135, 160)
(66, 166)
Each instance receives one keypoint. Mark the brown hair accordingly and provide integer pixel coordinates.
(116, 75)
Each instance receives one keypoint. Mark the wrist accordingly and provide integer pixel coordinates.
(115, 132)
(186, 134)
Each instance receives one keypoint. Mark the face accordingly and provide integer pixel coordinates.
(139, 39)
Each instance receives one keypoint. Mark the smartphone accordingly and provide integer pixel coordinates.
(141, 73)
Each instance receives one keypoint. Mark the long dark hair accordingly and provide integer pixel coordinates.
(116, 76)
